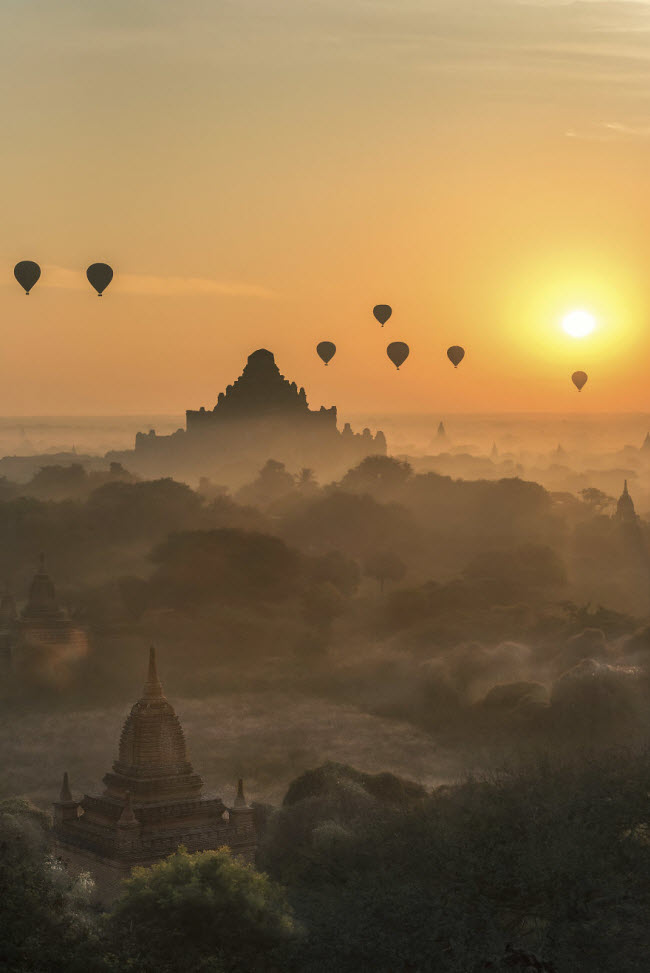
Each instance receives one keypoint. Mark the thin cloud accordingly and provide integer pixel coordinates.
(148, 284)
(610, 132)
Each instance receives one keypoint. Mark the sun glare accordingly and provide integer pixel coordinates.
(579, 324)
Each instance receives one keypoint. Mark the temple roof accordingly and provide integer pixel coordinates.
(261, 388)
(41, 602)
(152, 763)
(625, 506)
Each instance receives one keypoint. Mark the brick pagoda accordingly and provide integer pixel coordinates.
(152, 803)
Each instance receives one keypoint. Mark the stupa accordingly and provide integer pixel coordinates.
(625, 512)
(47, 641)
(151, 804)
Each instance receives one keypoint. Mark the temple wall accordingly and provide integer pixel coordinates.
(108, 875)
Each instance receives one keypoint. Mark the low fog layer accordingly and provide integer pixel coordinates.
(398, 618)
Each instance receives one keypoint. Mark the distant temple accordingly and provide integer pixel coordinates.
(646, 443)
(261, 416)
(441, 434)
(635, 553)
(42, 640)
(625, 512)
(8, 631)
(151, 804)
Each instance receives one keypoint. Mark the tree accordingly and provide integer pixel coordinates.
(596, 499)
(306, 480)
(339, 570)
(546, 862)
(203, 566)
(202, 911)
(45, 921)
(55, 482)
(321, 605)
(530, 566)
(149, 509)
(381, 476)
(351, 523)
(384, 566)
(272, 482)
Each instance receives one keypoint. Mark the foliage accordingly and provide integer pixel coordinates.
(551, 858)
(202, 911)
(527, 566)
(199, 566)
(384, 566)
(45, 923)
(380, 476)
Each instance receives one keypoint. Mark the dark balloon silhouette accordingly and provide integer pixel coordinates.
(100, 276)
(382, 312)
(27, 273)
(398, 352)
(326, 350)
(455, 354)
(579, 379)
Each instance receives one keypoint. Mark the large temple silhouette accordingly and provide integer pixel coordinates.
(152, 803)
(260, 416)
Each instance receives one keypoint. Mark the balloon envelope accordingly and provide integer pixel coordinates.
(27, 273)
(326, 350)
(382, 312)
(398, 352)
(100, 276)
(455, 354)
(579, 379)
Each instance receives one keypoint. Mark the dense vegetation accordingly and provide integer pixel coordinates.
(468, 612)
(544, 866)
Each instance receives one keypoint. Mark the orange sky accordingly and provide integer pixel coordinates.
(263, 174)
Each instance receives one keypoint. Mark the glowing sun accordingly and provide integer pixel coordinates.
(579, 324)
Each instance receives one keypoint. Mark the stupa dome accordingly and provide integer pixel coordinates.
(152, 763)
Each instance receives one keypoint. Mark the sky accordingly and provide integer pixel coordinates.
(261, 174)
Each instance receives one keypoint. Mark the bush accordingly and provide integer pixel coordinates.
(202, 911)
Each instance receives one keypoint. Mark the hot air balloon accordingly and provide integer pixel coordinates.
(100, 276)
(382, 312)
(326, 350)
(27, 273)
(455, 354)
(398, 352)
(579, 379)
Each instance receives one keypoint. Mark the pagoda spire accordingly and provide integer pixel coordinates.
(152, 687)
(240, 800)
(65, 797)
(127, 817)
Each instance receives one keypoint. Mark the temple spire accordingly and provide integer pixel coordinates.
(65, 797)
(153, 686)
(127, 817)
(240, 800)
